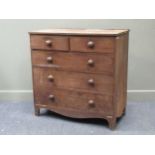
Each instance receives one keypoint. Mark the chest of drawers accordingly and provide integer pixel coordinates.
(80, 73)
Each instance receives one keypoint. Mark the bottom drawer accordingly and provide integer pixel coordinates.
(75, 100)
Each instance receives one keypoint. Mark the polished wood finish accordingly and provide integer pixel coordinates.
(80, 73)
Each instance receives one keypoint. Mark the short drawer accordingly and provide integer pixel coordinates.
(50, 78)
(76, 100)
(92, 44)
(82, 62)
(48, 42)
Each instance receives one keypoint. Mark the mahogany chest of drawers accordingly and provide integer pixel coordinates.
(80, 73)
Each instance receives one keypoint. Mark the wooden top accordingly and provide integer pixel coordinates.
(100, 32)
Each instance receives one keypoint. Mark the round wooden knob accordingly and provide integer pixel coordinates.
(48, 42)
(90, 62)
(49, 59)
(50, 78)
(90, 44)
(91, 81)
(51, 97)
(91, 103)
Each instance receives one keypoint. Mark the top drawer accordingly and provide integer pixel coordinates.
(92, 44)
(47, 42)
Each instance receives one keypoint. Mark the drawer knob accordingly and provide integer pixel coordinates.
(91, 81)
(90, 62)
(48, 42)
(49, 59)
(90, 44)
(51, 97)
(50, 78)
(91, 103)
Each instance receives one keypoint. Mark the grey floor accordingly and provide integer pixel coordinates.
(17, 118)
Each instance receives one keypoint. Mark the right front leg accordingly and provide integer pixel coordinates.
(112, 122)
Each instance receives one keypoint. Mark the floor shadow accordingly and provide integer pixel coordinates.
(95, 121)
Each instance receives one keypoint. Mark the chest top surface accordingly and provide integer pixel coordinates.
(93, 32)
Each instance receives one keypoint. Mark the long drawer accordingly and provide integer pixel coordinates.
(82, 62)
(50, 78)
(71, 100)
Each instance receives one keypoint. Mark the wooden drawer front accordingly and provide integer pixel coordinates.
(49, 42)
(82, 62)
(90, 82)
(92, 44)
(66, 99)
